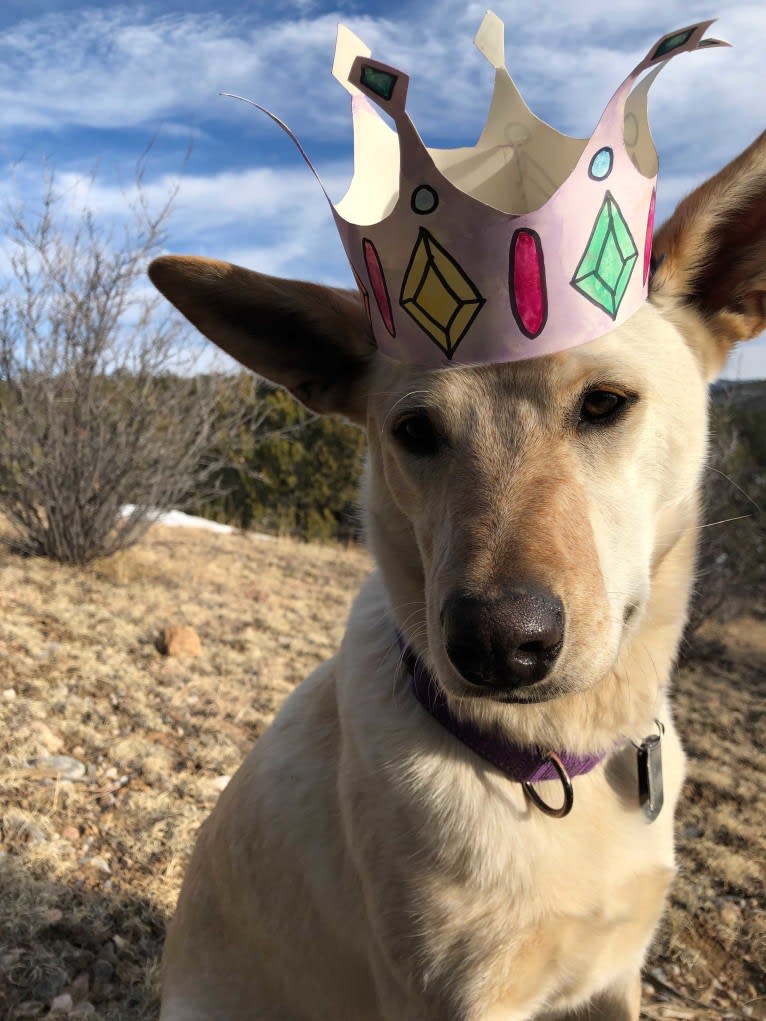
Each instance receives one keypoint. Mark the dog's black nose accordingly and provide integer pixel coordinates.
(506, 641)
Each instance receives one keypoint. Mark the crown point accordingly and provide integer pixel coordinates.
(347, 48)
(490, 40)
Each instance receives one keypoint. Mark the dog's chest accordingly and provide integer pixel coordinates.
(544, 913)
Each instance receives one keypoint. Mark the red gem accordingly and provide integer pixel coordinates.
(649, 234)
(378, 281)
(529, 300)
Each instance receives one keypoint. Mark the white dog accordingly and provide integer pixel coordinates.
(534, 526)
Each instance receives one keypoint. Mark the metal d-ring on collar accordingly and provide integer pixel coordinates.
(566, 783)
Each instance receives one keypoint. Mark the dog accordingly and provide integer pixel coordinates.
(534, 527)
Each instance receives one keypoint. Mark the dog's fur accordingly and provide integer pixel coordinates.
(363, 864)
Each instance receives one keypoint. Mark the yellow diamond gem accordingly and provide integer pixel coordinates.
(438, 294)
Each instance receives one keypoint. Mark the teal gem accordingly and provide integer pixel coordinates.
(424, 200)
(607, 263)
(673, 42)
(380, 82)
(601, 164)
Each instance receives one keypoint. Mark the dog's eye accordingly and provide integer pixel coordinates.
(416, 433)
(600, 407)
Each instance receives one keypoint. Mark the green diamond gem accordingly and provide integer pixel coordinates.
(380, 82)
(673, 42)
(607, 263)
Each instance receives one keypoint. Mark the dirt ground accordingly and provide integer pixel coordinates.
(93, 845)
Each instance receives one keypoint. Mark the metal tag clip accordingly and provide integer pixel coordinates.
(649, 760)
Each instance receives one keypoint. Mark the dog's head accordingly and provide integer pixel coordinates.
(523, 514)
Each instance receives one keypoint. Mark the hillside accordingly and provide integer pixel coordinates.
(91, 864)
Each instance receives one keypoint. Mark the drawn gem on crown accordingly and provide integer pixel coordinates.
(527, 243)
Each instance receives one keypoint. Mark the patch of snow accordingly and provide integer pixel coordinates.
(177, 519)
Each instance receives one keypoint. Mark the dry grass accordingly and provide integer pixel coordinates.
(90, 867)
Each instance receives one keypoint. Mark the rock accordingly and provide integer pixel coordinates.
(28, 1009)
(45, 737)
(70, 833)
(63, 1004)
(82, 1011)
(730, 917)
(180, 640)
(63, 767)
(219, 783)
(80, 987)
(109, 952)
(98, 863)
(103, 973)
(103, 970)
(9, 694)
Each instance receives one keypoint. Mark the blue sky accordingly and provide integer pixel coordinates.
(86, 86)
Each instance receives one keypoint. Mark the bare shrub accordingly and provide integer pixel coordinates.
(97, 407)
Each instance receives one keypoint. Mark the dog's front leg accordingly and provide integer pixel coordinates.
(397, 1003)
(621, 1002)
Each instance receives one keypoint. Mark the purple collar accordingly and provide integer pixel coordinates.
(524, 765)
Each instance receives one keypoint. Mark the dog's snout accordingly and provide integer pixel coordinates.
(507, 641)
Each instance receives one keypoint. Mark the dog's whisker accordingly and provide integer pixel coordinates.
(708, 524)
(736, 485)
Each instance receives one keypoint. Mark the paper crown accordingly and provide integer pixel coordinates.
(527, 243)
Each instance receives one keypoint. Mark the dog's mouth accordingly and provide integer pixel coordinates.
(532, 694)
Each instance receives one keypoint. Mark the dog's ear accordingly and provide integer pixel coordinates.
(711, 254)
(315, 341)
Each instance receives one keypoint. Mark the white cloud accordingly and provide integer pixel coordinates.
(274, 220)
(121, 66)
(126, 67)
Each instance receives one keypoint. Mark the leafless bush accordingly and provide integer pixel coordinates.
(97, 407)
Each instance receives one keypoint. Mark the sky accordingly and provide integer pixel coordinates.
(85, 88)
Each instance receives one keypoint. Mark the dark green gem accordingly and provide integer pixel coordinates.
(380, 82)
(673, 42)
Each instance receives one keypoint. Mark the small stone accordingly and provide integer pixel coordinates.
(9, 694)
(730, 917)
(98, 863)
(28, 1009)
(103, 972)
(29, 831)
(82, 1011)
(63, 767)
(63, 1004)
(109, 952)
(219, 783)
(53, 916)
(45, 737)
(180, 640)
(70, 833)
(80, 987)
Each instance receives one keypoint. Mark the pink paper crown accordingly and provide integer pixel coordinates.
(527, 243)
